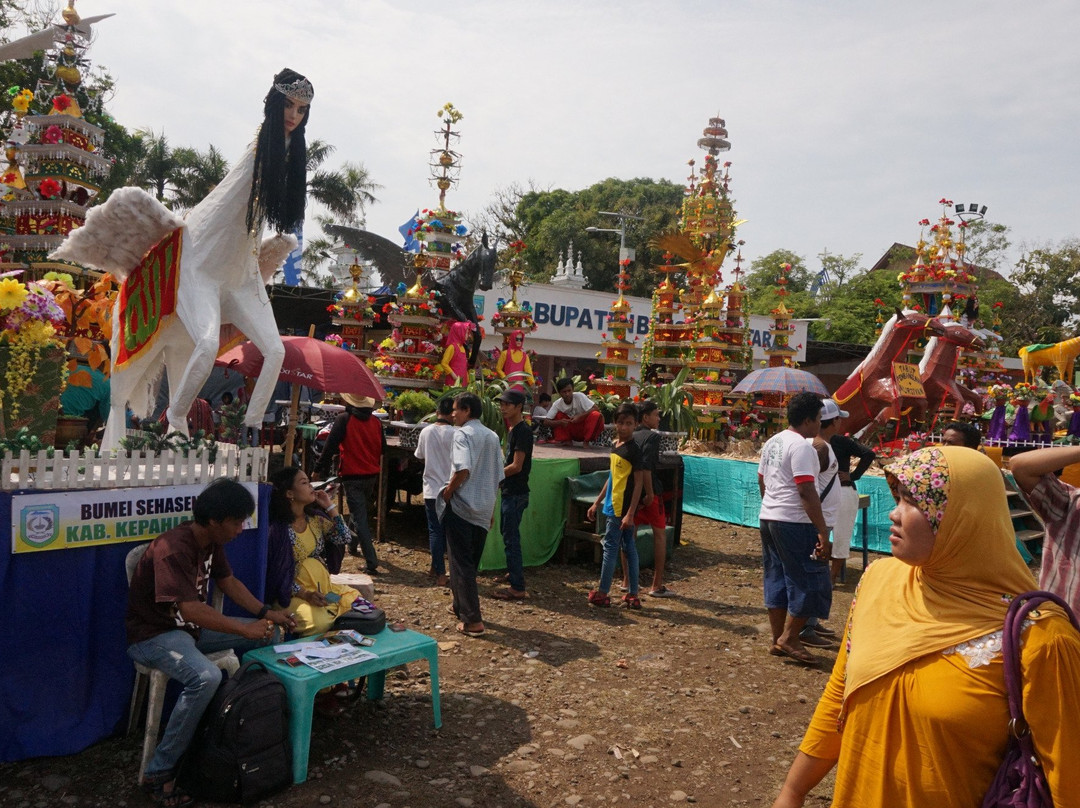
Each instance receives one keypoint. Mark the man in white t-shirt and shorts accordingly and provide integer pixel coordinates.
(794, 535)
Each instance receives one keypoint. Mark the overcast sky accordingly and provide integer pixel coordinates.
(848, 120)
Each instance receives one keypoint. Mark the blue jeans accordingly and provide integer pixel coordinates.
(510, 513)
(436, 538)
(180, 657)
(616, 538)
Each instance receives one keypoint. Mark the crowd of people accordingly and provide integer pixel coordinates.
(915, 711)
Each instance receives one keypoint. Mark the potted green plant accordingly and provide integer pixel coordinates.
(414, 405)
(676, 404)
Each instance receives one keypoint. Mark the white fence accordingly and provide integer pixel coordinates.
(122, 469)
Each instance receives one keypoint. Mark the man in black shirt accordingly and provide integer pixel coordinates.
(515, 491)
(651, 512)
(846, 448)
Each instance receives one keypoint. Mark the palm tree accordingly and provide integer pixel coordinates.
(157, 163)
(196, 174)
(345, 193)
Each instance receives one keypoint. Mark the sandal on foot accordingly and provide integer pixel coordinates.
(598, 598)
(662, 592)
(631, 601)
(173, 798)
(470, 632)
(802, 656)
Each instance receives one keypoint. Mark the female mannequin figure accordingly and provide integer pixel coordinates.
(455, 359)
(514, 364)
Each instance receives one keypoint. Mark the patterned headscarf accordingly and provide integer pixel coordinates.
(903, 612)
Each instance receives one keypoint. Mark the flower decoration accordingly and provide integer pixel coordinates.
(1074, 399)
(49, 188)
(61, 102)
(28, 316)
(20, 100)
(52, 134)
(1024, 392)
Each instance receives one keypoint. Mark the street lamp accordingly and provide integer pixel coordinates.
(624, 253)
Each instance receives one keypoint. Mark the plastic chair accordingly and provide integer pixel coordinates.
(157, 680)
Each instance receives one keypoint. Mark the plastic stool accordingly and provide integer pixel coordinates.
(226, 660)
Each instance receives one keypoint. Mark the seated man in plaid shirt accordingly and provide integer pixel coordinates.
(1058, 505)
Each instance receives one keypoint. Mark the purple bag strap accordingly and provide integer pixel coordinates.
(1019, 609)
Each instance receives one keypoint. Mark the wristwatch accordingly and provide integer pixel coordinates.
(262, 612)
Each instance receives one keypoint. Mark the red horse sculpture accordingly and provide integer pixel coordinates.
(870, 394)
(938, 371)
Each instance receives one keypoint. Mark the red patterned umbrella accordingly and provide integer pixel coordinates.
(312, 363)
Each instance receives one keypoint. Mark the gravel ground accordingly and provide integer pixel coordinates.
(559, 704)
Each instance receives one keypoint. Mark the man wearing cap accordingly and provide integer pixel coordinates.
(358, 436)
(515, 491)
(793, 530)
(816, 634)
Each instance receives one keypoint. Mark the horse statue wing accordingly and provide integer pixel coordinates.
(393, 263)
(118, 234)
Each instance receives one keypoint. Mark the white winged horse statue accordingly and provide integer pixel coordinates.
(184, 284)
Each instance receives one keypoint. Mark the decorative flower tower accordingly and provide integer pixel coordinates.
(410, 356)
(514, 362)
(351, 312)
(55, 167)
(708, 227)
(663, 353)
(939, 273)
(615, 358)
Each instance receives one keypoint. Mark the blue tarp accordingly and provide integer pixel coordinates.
(65, 679)
(727, 490)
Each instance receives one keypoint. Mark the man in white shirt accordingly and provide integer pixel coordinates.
(794, 535)
(573, 416)
(434, 446)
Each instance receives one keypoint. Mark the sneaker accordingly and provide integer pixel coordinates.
(631, 601)
(662, 592)
(824, 631)
(598, 598)
(813, 639)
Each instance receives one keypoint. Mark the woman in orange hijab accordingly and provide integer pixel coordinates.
(915, 712)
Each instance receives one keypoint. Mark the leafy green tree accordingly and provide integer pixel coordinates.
(1049, 282)
(547, 221)
(987, 244)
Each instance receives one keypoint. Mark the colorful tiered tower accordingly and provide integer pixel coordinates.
(352, 314)
(408, 358)
(514, 363)
(718, 350)
(615, 357)
(663, 353)
(55, 166)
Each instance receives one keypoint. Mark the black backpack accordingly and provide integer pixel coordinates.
(241, 751)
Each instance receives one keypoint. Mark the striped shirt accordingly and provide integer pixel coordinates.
(477, 449)
(1058, 505)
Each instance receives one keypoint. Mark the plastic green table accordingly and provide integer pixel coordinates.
(302, 683)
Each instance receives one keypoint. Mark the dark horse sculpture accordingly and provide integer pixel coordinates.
(455, 288)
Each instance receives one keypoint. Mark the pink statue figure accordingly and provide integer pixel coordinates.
(455, 359)
(514, 364)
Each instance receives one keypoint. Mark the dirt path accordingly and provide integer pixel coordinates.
(558, 704)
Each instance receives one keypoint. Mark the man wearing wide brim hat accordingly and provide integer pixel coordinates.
(357, 435)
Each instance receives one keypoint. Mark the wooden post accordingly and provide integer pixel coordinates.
(294, 407)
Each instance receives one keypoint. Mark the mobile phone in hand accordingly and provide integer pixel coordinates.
(332, 597)
(330, 483)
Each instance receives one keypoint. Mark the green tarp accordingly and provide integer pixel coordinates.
(542, 524)
(727, 490)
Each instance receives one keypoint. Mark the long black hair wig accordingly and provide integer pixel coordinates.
(279, 183)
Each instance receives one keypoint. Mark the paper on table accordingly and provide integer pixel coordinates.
(346, 657)
(295, 647)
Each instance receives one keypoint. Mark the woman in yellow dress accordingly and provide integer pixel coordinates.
(915, 712)
(302, 522)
